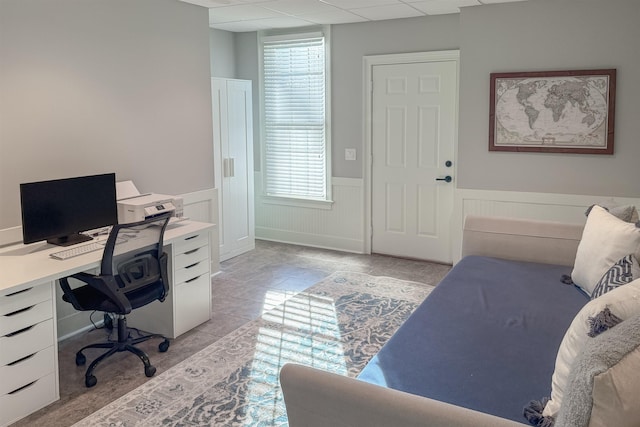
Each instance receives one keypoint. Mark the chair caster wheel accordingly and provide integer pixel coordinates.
(149, 371)
(80, 359)
(90, 381)
(163, 346)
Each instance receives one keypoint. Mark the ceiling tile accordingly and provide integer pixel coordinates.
(267, 14)
(435, 8)
(336, 17)
(299, 7)
(438, 7)
(392, 11)
(243, 12)
(286, 22)
(357, 4)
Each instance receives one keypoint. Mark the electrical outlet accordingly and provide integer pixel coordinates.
(349, 153)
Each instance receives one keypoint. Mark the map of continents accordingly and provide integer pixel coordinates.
(552, 111)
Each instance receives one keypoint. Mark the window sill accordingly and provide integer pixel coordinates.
(299, 203)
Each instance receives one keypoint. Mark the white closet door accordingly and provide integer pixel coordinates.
(233, 149)
(238, 201)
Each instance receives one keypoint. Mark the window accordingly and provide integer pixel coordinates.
(295, 147)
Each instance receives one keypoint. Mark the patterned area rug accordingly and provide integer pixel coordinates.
(336, 325)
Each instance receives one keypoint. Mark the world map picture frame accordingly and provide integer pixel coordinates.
(553, 111)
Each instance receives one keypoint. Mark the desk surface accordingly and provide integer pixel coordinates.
(22, 265)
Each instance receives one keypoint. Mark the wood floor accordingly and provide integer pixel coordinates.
(247, 286)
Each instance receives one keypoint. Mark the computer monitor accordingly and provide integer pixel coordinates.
(58, 210)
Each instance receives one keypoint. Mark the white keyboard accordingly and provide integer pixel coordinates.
(77, 250)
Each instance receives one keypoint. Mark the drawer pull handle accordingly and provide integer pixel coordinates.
(21, 360)
(191, 237)
(192, 251)
(193, 280)
(22, 310)
(23, 387)
(192, 265)
(13, 334)
(18, 292)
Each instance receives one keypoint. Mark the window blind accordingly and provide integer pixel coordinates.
(294, 118)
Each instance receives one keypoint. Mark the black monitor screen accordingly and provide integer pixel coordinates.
(58, 210)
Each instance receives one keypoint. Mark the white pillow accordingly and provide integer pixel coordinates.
(604, 241)
(624, 302)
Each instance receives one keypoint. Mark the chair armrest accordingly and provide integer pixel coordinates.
(164, 274)
(315, 398)
(106, 285)
(69, 294)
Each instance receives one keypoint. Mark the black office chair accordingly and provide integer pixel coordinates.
(133, 273)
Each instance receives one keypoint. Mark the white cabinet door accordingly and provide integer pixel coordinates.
(233, 151)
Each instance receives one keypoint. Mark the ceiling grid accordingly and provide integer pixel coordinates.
(255, 15)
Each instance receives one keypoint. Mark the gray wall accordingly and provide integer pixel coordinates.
(350, 43)
(544, 35)
(247, 67)
(521, 36)
(222, 44)
(106, 85)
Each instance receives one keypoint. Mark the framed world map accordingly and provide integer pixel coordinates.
(553, 111)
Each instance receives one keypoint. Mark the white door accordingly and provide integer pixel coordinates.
(414, 110)
(239, 204)
(233, 151)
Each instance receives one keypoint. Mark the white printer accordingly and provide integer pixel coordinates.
(143, 206)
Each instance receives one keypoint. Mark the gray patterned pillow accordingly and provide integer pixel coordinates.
(622, 272)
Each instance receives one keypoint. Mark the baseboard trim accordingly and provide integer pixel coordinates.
(312, 240)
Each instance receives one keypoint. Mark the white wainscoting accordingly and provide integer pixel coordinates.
(340, 228)
(10, 236)
(540, 206)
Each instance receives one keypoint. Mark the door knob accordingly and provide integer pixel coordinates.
(446, 179)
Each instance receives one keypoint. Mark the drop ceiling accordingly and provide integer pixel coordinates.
(254, 15)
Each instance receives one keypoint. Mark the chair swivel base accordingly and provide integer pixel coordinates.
(124, 343)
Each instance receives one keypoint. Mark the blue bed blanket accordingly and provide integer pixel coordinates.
(486, 338)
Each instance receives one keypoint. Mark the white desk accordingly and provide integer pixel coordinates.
(28, 333)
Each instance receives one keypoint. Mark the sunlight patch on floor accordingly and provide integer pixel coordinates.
(308, 334)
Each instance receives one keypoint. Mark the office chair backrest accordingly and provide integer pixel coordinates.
(134, 254)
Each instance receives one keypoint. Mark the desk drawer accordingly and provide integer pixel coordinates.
(14, 301)
(190, 242)
(28, 399)
(26, 342)
(193, 303)
(191, 272)
(25, 317)
(192, 256)
(27, 370)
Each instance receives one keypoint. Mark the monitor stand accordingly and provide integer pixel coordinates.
(69, 240)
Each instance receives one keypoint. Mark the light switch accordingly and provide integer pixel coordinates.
(349, 153)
